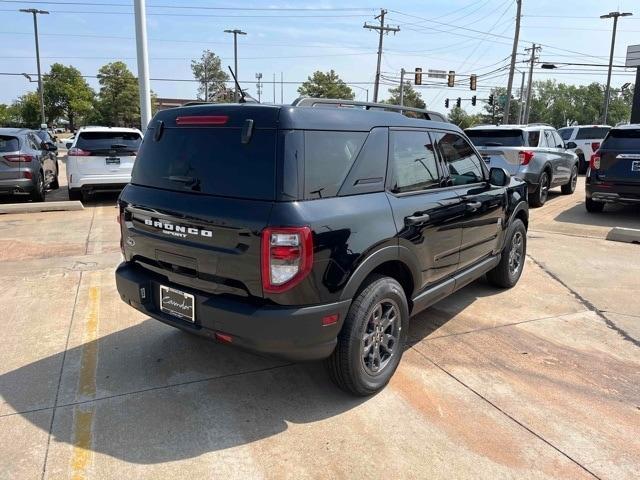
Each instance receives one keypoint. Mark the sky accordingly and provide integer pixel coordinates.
(294, 38)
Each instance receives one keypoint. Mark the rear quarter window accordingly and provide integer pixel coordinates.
(9, 144)
(565, 133)
(627, 139)
(328, 157)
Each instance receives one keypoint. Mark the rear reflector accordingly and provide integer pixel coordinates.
(223, 337)
(330, 319)
(27, 175)
(202, 120)
(525, 157)
(18, 158)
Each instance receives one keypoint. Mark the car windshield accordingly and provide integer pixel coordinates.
(496, 138)
(9, 144)
(592, 133)
(97, 141)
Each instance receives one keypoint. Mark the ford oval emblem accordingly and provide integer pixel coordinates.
(130, 241)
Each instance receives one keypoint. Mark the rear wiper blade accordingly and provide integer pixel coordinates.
(191, 182)
(493, 144)
(119, 146)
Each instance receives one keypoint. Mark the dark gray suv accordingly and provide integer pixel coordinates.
(28, 166)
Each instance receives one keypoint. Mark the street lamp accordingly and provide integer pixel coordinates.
(615, 16)
(35, 13)
(235, 32)
(362, 88)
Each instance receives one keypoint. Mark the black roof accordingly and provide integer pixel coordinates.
(299, 117)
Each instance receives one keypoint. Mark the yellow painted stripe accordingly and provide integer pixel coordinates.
(83, 415)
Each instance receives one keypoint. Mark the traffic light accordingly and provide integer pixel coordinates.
(418, 77)
(451, 79)
(458, 102)
(473, 100)
(491, 99)
(473, 82)
(446, 103)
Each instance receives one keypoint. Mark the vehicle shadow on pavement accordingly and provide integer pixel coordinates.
(205, 397)
(627, 216)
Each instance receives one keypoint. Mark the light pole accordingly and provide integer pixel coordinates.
(607, 92)
(259, 85)
(235, 32)
(364, 89)
(143, 63)
(35, 13)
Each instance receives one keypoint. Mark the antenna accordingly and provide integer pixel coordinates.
(242, 99)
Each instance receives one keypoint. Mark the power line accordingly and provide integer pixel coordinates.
(382, 29)
(196, 7)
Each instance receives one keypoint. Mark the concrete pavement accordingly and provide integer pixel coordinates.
(541, 381)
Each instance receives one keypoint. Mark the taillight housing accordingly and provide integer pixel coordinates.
(287, 257)
(595, 146)
(525, 157)
(594, 161)
(78, 152)
(18, 158)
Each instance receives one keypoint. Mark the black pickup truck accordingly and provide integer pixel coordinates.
(310, 232)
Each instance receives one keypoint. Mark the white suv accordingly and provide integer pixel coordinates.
(101, 159)
(584, 140)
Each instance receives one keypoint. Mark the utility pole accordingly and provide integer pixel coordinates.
(514, 52)
(402, 71)
(259, 85)
(527, 108)
(282, 88)
(521, 98)
(35, 13)
(235, 32)
(382, 29)
(607, 92)
(143, 64)
(274, 88)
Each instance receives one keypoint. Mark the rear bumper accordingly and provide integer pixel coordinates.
(612, 193)
(103, 183)
(291, 333)
(17, 186)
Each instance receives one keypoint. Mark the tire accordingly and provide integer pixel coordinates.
(75, 194)
(539, 197)
(570, 187)
(507, 273)
(582, 164)
(353, 365)
(592, 206)
(38, 194)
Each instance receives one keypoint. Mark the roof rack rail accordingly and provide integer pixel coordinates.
(334, 102)
(539, 124)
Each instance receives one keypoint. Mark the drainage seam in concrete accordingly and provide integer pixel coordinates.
(150, 389)
(503, 412)
(64, 356)
(587, 304)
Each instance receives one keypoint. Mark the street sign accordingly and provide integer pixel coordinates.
(502, 100)
(436, 73)
(633, 56)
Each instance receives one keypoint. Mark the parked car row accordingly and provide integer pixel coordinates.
(28, 163)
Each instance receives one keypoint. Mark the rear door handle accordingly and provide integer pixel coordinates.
(472, 206)
(415, 219)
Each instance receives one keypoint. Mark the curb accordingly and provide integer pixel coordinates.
(41, 207)
(627, 235)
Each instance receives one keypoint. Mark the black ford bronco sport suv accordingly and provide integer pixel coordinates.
(309, 232)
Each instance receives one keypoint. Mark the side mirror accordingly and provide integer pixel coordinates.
(44, 146)
(499, 177)
(68, 145)
(570, 145)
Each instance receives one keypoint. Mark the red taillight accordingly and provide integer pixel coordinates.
(594, 162)
(287, 257)
(78, 152)
(18, 158)
(595, 146)
(202, 120)
(525, 157)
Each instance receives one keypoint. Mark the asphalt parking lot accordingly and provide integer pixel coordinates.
(541, 381)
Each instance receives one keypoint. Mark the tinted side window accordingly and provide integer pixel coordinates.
(558, 141)
(34, 142)
(460, 158)
(413, 161)
(548, 139)
(9, 144)
(534, 138)
(565, 133)
(328, 157)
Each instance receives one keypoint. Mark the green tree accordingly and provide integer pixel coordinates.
(211, 77)
(118, 100)
(458, 116)
(411, 97)
(326, 85)
(25, 111)
(66, 94)
(494, 113)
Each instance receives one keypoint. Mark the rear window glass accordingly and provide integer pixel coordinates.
(592, 133)
(496, 138)
(328, 157)
(94, 141)
(208, 161)
(622, 140)
(9, 144)
(565, 133)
